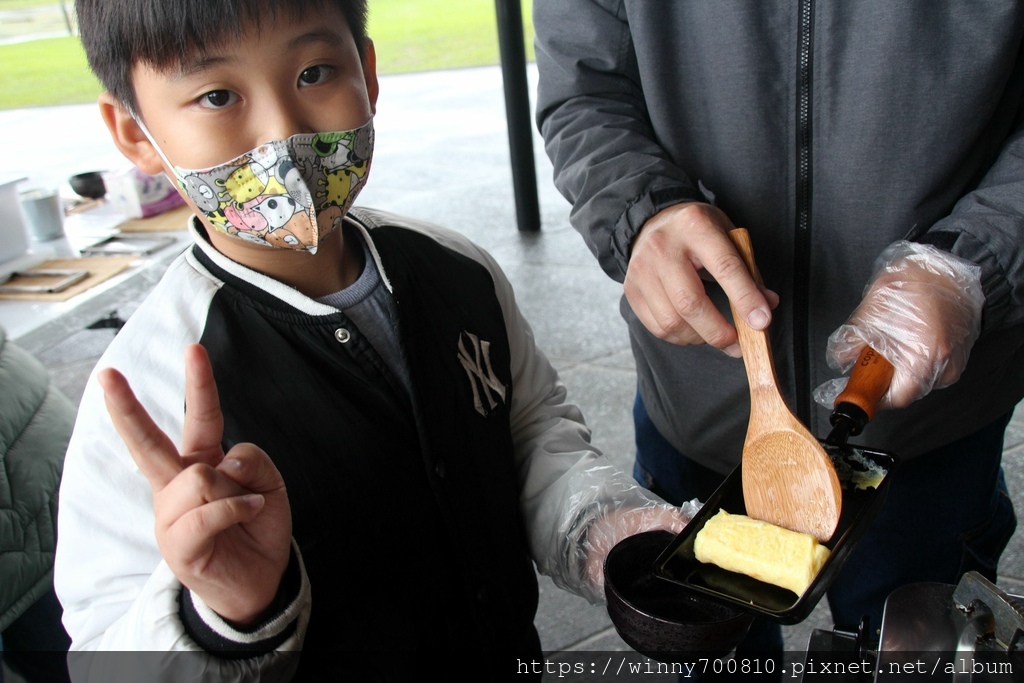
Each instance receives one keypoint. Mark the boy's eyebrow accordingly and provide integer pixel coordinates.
(193, 66)
(320, 35)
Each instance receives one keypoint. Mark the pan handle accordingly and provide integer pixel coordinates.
(856, 405)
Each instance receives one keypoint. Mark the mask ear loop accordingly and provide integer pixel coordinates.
(152, 141)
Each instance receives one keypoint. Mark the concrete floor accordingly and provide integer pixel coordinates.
(442, 154)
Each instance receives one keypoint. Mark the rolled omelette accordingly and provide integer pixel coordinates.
(766, 552)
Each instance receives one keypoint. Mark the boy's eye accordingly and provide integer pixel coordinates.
(215, 99)
(314, 74)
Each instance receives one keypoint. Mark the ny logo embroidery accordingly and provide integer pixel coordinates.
(481, 375)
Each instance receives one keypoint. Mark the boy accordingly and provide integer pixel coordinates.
(371, 448)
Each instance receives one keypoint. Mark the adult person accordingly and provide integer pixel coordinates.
(875, 152)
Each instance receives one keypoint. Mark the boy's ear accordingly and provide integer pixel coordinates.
(128, 136)
(370, 74)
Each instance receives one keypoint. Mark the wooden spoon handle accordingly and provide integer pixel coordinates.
(757, 352)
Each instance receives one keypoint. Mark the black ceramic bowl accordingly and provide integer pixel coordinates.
(89, 185)
(658, 618)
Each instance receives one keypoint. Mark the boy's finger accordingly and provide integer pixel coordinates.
(152, 450)
(196, 486)
(193, 533)
(204, 421)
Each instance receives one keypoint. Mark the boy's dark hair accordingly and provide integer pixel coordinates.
(118, 34)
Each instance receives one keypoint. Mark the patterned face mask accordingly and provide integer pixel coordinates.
(286, 194)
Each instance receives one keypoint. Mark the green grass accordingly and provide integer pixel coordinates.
(20, 4)
(45, 72)
(410, 35)
(423, 35)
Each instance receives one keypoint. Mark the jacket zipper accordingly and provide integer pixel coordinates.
(802, 238)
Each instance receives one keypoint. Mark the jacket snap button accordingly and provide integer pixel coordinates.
(342, 335)
(439, 469)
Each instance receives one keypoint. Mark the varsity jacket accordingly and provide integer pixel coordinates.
(415, 518)
(829, 130)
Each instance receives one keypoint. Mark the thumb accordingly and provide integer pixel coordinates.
(845, 344)
(249, 466)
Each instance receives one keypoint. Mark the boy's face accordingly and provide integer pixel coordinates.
(290, 77)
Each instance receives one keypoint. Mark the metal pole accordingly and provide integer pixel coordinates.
(517, 112)
(67, 18)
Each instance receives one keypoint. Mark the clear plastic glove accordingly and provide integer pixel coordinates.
(618, 524)
(922, 312)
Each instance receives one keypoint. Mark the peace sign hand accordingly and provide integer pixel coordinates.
(223, 524)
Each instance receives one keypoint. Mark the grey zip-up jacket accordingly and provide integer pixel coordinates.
(829, 130)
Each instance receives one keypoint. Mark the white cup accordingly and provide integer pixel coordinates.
(44, 214)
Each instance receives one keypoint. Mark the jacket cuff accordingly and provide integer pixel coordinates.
(940, 239)
(642, 208)
(216, 635)
(995, 283)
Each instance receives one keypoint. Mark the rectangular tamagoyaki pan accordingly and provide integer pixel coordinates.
(864, 476)
(856, 467)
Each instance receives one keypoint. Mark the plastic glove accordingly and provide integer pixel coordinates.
(922, 311)
(617, 524)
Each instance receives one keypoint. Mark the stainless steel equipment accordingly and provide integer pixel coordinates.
(968, 632)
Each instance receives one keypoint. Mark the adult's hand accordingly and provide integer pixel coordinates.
(223, 523)
(922, 312)
(674, 250)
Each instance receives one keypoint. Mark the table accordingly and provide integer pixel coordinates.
(37, 321)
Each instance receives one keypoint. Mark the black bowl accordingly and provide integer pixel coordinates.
(659, 618)
(89, 185)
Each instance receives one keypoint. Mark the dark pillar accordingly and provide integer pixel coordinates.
(518, 114)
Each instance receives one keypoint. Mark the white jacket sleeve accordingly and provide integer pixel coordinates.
(568, 488)
(117, 593)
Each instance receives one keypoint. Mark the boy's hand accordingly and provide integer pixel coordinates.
(223, 523)
(615, 525)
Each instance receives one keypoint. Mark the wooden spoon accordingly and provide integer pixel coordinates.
(788, 479)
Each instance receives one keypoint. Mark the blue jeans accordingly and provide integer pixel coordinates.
(947, 513)
(941, 518)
